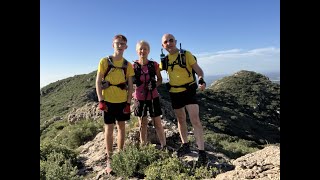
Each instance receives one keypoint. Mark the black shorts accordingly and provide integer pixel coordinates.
(115, 113)
(153, 106)
(181, 99)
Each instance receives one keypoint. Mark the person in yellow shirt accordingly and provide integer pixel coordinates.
(114, 90)
(182, 87)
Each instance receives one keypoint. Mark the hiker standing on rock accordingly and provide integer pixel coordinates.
(146, 97)
(114, 89)
(182, 87)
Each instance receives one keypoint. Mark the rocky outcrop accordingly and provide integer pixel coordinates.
(92, 154)
(260, 165)
(89, 111)
(263, 164)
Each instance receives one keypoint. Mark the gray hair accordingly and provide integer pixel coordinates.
(142, 42)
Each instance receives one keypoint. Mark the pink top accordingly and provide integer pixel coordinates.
(141, 91)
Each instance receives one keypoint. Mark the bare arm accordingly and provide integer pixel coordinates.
(159, 78)
(98, 86)
(198, 70)
(130, 89)
(200, 74)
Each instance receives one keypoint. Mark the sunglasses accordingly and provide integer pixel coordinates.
(170, 40)
(120, 43)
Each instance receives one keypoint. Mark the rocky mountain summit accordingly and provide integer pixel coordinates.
(242, 107)
(260, 165)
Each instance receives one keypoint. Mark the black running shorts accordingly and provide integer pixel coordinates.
(181, 99)
(153, 106)
(115, 113)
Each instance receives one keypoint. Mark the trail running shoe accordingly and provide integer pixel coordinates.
(202, 159)
(167, 148)
(184, 149)
(164, 148)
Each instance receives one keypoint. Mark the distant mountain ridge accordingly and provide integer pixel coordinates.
(248, 93)
(273, 76)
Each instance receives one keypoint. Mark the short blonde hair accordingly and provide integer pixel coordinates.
(140, 43)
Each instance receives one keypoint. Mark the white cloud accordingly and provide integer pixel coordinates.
(230, 61)
(229, 51)
(212, 63)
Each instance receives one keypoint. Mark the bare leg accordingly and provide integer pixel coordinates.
(182, 124)
(143, 130)
(159, 130)
(108, 138)
(193, 111)
(121, 134)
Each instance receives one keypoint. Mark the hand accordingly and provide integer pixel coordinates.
(105, 84)
(202, 84)
(152, 85)
(103, 106)
(136, 107)
(126, 110)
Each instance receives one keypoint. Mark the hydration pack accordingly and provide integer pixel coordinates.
(111, 66)
(181, 61)
(106, 84)
(138, 72)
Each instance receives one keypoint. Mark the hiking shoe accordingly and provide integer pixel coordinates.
(184, 149)
(167, 148)
(202, 159)
(164, 148)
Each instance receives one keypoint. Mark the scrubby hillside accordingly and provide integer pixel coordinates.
(246, 104)
(254, 90)
(58, 98)
(240, 114)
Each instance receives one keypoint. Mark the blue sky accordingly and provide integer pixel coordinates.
(225, 35)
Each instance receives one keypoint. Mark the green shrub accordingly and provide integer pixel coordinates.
(134, 159)
(74, 135)
(170, 168)
(43, 165)
(50, 129)
(231, 146)
(57, 167)
(78, 134)
(47, 148)
(205, 173)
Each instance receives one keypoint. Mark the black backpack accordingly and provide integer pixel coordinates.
(111, 65)
(137, 72)
(106, 84)
(181, 61)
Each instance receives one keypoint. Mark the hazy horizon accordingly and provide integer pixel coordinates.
(273, 76)
(225, 36)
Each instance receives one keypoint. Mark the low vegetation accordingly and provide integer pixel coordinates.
(240, 115)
